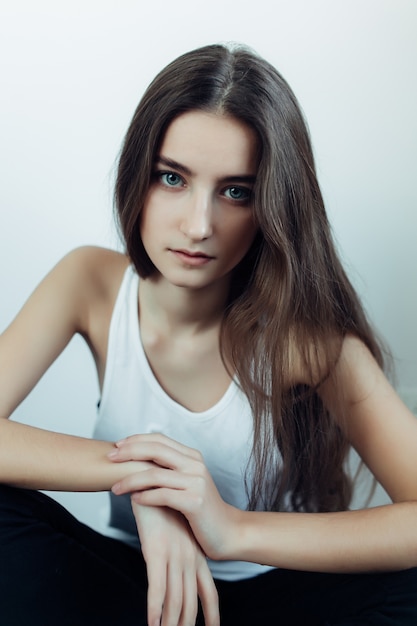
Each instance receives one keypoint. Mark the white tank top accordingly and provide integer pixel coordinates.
(133, 402)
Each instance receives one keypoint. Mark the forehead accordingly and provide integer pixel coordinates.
(198, 139)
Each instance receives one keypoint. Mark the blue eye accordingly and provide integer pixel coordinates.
(170, 179)
(240, 194)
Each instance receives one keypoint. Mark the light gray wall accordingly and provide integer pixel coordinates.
(71, 76)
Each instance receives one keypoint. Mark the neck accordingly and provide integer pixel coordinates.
(182, 310)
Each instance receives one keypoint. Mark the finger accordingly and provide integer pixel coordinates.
(151, 479)
(142, 450)
(156, 452)
(157, 576)
(174, 596)
(208, 596)
(190, 599)
(181, 501)
(161, 439)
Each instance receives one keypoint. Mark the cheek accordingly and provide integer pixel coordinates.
(143, 230)
(150, 223)
(244, 233)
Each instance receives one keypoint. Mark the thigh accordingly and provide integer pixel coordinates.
(55, 570)
(388, 599)
(291, 598)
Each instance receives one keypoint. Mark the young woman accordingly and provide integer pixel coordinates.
(236, 367)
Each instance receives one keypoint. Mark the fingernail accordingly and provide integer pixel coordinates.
(112, 454)
(116, 488)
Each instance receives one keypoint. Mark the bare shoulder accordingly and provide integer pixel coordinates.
(374, 418)
(356, 373)
(76, 296)
(365, 406)
(102, 271)
(311, 362)
(93, 272)
(342, 369)
(92, 278)
(82, 280)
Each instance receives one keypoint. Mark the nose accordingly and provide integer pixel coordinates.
(197, 219)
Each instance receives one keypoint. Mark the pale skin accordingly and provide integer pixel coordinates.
(197, 225)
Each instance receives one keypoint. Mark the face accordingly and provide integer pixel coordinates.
(197, 222)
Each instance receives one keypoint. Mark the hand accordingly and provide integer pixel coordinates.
(177, 569)
(179, 479)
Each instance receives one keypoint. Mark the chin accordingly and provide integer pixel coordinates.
(192, 282)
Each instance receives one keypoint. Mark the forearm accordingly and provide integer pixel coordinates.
(378, 539)
(39, 459)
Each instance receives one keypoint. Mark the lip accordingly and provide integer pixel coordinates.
(191, 257)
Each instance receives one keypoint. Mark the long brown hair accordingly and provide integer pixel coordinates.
(290, 293)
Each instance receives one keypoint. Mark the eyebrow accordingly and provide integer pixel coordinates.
(248, 178)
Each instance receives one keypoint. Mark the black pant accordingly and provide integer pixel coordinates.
(55, 571)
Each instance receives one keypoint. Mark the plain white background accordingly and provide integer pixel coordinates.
(71, 75)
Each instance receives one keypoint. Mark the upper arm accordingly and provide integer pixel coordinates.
(374, 419)
(58, 308)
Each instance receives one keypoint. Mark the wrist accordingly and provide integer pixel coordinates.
(231, 545)
(248, 541)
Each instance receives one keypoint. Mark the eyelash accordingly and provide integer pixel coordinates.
(159, 176)
(247, 193)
